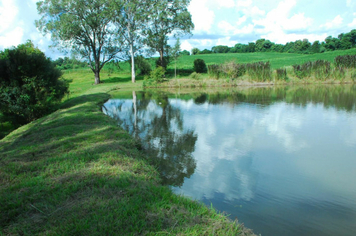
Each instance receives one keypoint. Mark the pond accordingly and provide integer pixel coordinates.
(281, 160)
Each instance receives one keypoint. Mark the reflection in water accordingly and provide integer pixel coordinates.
(281, 160)
(159, 126)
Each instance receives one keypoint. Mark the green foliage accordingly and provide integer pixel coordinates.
(195, 51)
(200, 66)
(29, 84)
(260, 71)
(281, 74)
(86, 27)
(69, 63)
(343, 42)
(230, 70)
(321, 69)
(348, 61)
(167, 17)
(195, 75)
(143, 65)
(353, 76)
(185, 53)
(157, 75)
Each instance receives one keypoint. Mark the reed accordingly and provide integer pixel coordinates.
(230, 70)
(260, 71)
(321, 69)
(281, 74)
(348, 61)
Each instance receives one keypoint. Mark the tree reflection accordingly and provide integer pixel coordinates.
(159, 126)
(342, 97)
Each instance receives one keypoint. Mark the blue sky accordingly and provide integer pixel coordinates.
(217, 22)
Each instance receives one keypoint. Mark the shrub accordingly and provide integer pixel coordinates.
(143, 65)
(29, 84)
(157, 74)
(195, 75)
(200, 66)
(231, 70)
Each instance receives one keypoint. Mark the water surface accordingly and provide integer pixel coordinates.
(280, 160)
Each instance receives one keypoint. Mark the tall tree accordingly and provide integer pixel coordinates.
(167, 17)
(84, 26)
(131, 17)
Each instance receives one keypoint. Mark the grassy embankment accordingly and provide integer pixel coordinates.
(75, 172)
(282, 61)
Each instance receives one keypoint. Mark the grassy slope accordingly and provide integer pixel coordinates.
(277, 60)
(75, 172)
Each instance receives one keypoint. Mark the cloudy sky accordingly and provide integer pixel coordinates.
(217, 22)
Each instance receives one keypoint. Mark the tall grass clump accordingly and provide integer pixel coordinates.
(321, 69)
(230, 70)
(214, 71)
(281, 74)
(260, 71)
(304, 70)
(347, 61)
(339, 72)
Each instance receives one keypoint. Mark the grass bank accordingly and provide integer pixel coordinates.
(75, 172)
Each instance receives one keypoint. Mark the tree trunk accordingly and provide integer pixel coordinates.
(134, 98)
(97, 71)
(133, 74)
(97, 76)
(161, 58)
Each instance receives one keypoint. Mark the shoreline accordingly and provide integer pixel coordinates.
(76, 171)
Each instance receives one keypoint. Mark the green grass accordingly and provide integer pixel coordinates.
(75, 172)
(276, 59)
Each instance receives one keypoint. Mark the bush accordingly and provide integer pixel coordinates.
(195, 75)
(157, 74)
(200, 66)
(143, 65)
(29, 84)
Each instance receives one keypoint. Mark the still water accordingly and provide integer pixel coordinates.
(280, 160)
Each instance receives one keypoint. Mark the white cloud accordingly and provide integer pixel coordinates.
(226, 27)
(186, 46)
(8, 14)
(255, 11)
(225, 3)
(245, 3)
(12, 38)
(298, 21)
(352, 24)
(336, 22)
(241, 20)
(202, 16)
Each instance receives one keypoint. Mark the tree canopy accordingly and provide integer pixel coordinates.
(167, 17)
(84, 26)
(29, 84)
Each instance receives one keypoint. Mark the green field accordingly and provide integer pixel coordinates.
(277, 60)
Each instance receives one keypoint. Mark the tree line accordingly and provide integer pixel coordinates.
(102, 30)
(342, 42)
